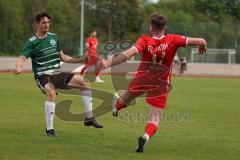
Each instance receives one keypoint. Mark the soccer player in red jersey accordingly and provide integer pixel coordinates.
(92, 45)
(158, 51)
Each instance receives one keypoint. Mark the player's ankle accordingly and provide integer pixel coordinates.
(146, 136)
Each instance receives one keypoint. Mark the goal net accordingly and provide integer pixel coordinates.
(214, 55)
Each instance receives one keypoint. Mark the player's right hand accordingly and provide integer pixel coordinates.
(202, 49)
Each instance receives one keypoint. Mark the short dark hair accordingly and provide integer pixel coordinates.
(41, 15)
(158, 21)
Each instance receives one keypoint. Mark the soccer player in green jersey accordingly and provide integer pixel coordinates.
(45, 51)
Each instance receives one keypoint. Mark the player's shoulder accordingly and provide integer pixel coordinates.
(52, 35)
(89, 39)
(33, 38)
(174, 35)
(145, 36)
(171, 35)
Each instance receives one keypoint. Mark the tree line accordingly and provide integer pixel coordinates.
(115, 20)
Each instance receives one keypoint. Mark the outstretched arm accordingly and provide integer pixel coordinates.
(69, 59)
(19, 64)
(200, 42)
(122, 57)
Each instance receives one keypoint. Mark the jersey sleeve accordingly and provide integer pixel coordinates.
(27, 49)
(180, 41)
(140, 45)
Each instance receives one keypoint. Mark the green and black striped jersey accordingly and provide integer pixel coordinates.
(44, 52)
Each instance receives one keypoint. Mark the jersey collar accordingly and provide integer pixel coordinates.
(158, 38)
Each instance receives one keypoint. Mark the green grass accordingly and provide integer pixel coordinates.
(213, 131)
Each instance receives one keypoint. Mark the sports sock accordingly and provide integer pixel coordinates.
(87, 102)
(49, 113)
(150, 130)
(120, 105)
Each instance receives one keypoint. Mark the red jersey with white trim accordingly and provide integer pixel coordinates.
(92, 43)
(160, 50)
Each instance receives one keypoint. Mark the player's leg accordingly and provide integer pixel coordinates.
(94, 62)
(77, 81)
(122, 99)
(50, 92)
(155, 113)
(98, 79)
(154, 118)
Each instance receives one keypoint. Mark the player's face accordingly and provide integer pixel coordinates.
(94, 34)
(44, 25)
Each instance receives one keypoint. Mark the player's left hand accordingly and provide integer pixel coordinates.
(202, 49)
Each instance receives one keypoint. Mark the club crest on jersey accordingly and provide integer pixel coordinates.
(52, 42)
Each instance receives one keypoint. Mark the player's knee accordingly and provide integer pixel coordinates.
(155, 115)
(86, 85)
(51, 95)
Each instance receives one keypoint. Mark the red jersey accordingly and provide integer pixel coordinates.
(160, 50)
(92, 44)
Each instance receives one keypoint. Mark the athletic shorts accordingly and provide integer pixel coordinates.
(156, 89)
(93, 59)
(59, 80)
(158, 100)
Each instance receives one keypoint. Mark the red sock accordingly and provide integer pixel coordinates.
(150, 129)
(120, 105)
(96, 73)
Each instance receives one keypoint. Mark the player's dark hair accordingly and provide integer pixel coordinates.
(158, 22)
(41, 15)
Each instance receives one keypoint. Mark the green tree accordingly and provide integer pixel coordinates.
(12, 26)
(66, 23)
(117, 19)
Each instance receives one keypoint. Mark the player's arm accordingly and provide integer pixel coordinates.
(68, 59)
(25, 53)
(200, 42)
(19, 64)
(122, 57)
(87, 45)
(88, 48)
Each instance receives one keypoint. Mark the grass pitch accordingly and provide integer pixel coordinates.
(201, 123)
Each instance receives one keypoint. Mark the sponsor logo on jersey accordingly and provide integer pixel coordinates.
(52, 42)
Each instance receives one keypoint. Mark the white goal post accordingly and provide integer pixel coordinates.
(214, 55)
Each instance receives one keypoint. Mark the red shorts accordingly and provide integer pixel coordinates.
(158, 101)
(155, 87)
(93, 59)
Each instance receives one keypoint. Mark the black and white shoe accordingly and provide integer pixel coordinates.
(92, 122)
(141, 142)
(51, 133)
